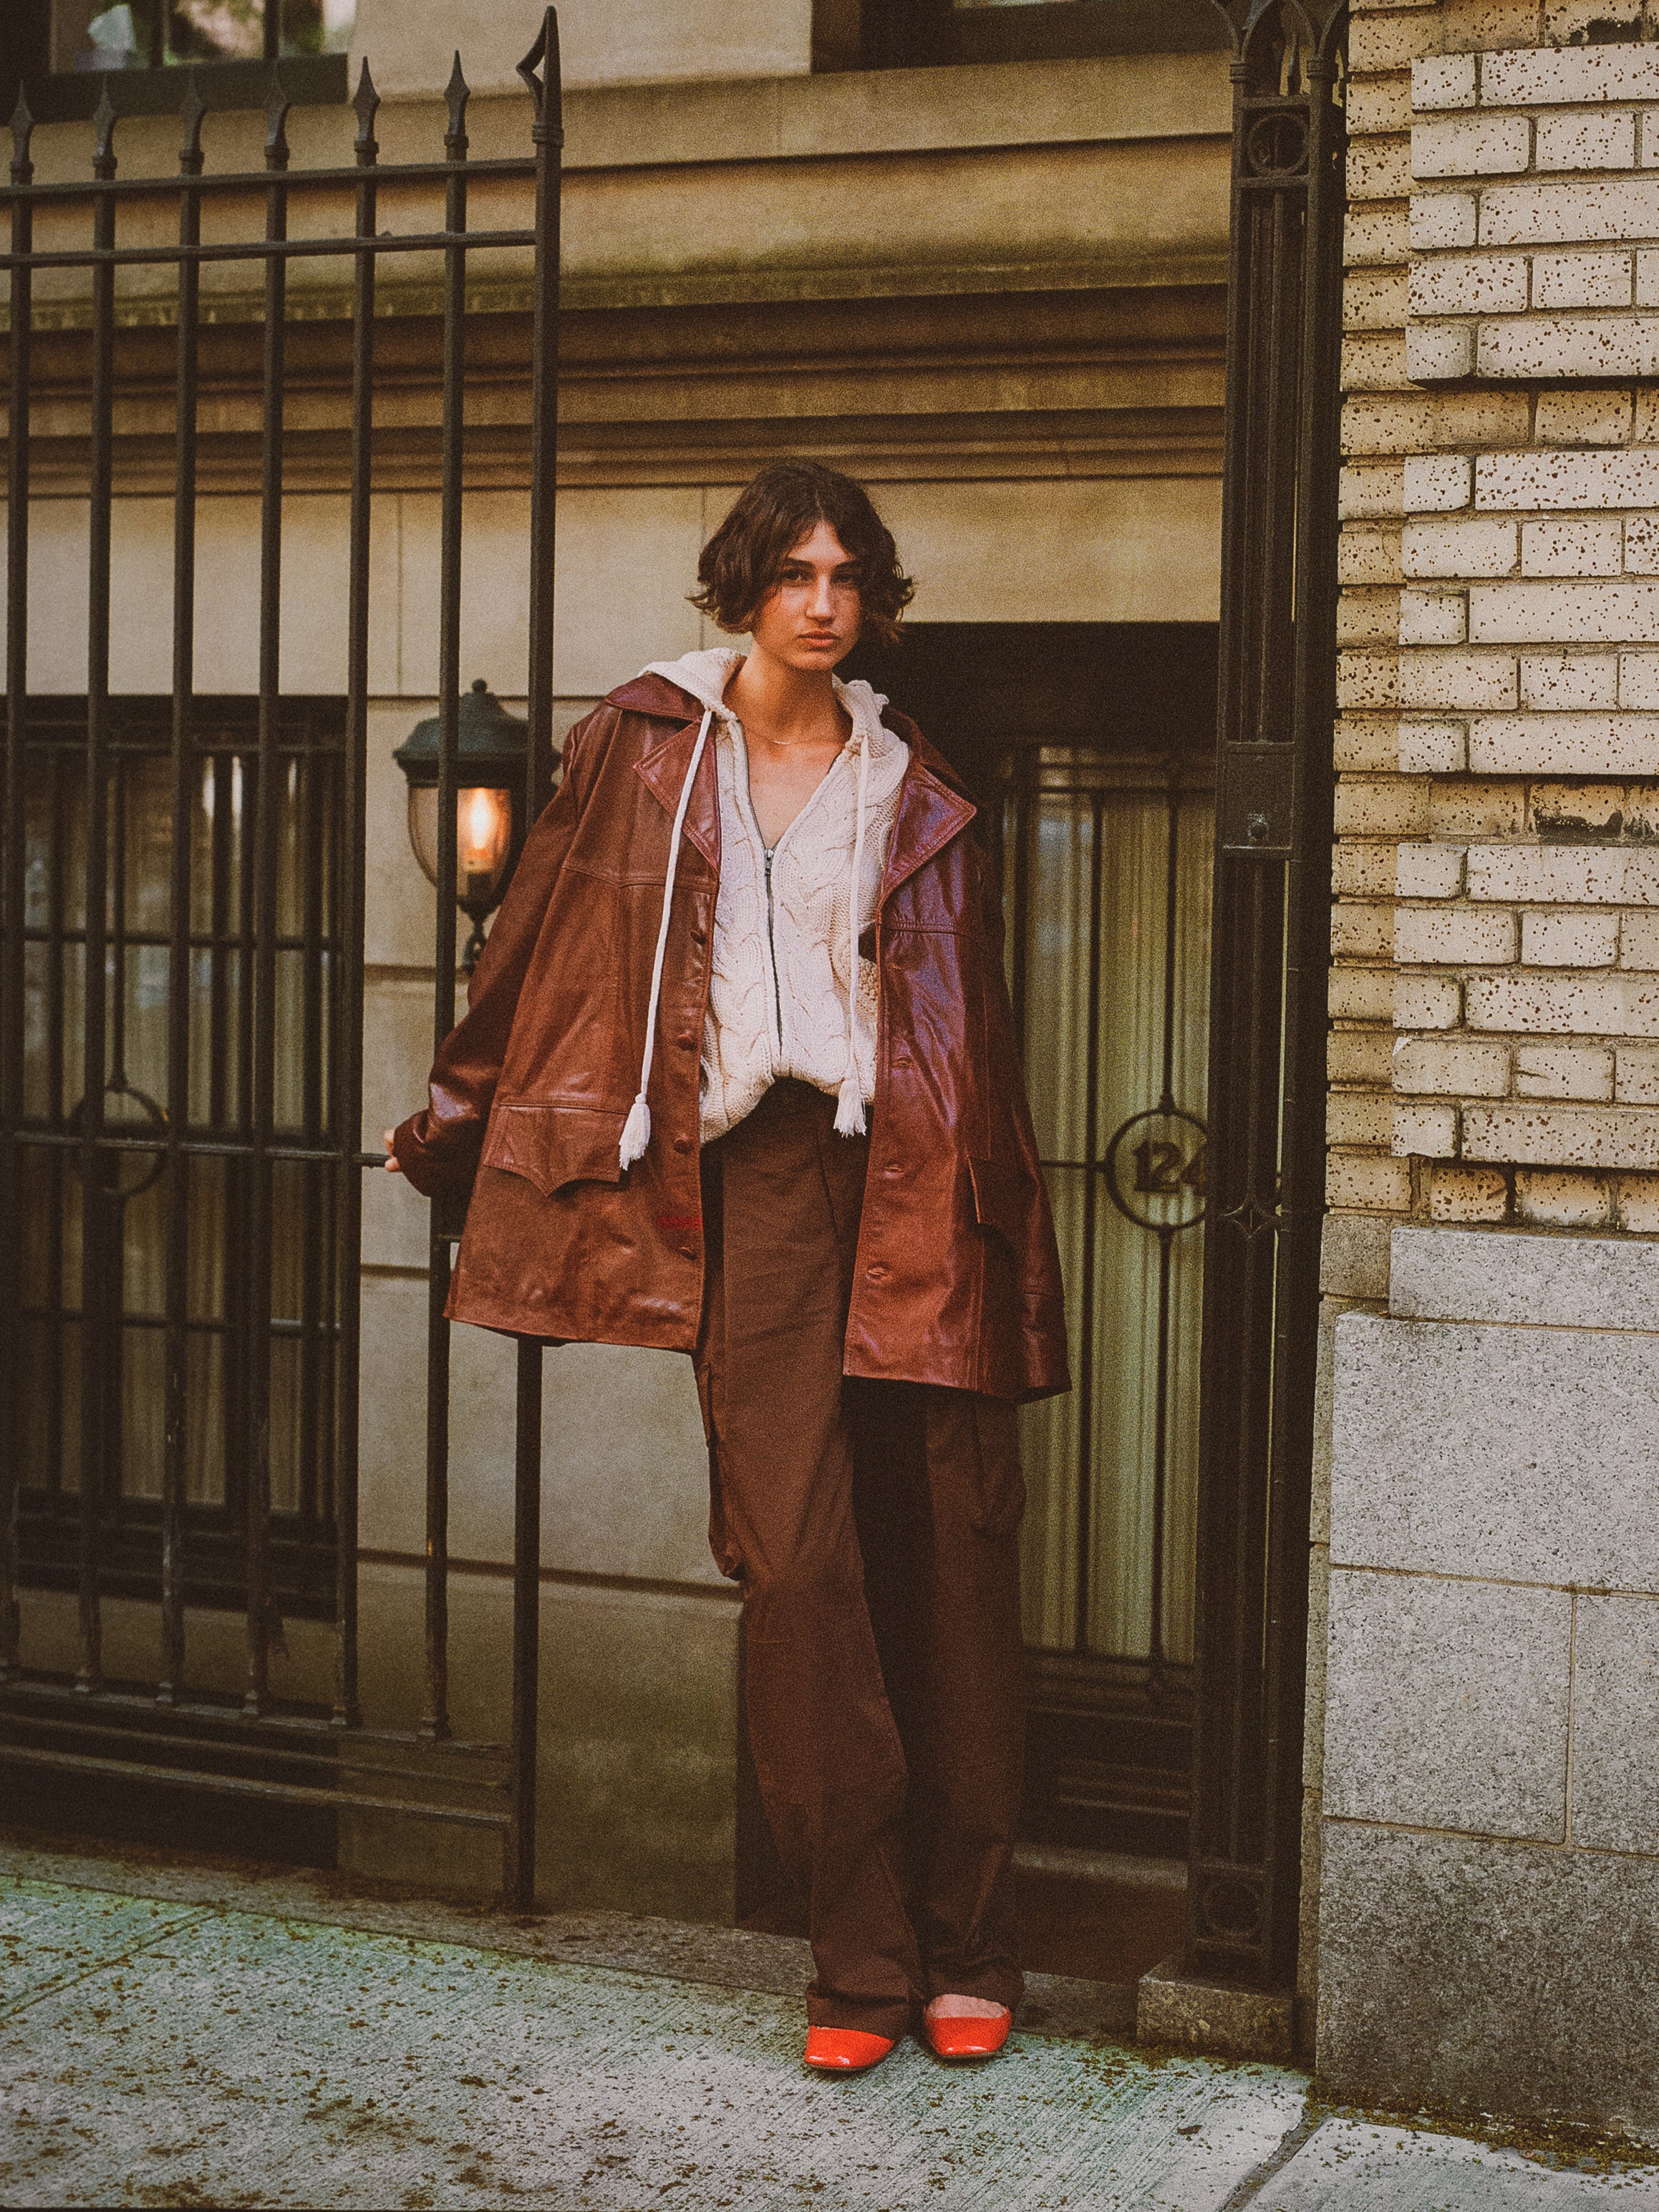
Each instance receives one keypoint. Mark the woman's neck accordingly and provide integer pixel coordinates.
(789, 705)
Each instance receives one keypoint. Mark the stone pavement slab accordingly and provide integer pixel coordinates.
(194, 2050)
(1355, 2165)
(262, 2062)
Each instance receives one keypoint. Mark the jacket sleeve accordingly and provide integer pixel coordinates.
(438, 1150)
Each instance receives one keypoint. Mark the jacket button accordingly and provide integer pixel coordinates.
(700, 937)
(682, 1144)
(686, 1042)
(688, 1251)
(876, 1274)
(893, 1167)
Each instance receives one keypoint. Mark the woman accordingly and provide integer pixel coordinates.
(738, 1079)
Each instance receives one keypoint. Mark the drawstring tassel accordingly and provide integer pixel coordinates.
(636, 1130)
(850, 1105)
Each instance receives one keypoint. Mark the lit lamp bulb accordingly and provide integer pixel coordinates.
(483, 825)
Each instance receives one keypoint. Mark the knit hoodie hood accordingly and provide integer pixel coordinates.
(881, 757)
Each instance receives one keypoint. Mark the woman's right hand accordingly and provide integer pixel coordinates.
(391, 1164)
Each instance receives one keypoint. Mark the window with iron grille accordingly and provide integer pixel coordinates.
(66, 50)
(112, 1437)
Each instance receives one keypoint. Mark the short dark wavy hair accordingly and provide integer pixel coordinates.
(744, 559)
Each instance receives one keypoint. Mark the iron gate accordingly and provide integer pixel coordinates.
(84, 1142)
(1271, 952)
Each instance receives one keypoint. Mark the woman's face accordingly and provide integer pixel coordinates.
(811, 617)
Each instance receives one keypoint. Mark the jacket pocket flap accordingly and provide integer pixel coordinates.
(1002, 1199)
(553, 1146)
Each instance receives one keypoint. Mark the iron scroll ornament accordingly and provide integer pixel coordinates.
(1161, 1167)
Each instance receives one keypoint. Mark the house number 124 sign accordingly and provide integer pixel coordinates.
(1155, 1169)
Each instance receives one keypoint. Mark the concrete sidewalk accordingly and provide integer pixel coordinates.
(182, 2037)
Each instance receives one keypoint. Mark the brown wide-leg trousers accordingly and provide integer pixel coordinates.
(873, 1528)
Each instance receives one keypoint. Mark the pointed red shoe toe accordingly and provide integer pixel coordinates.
(847, 2050)
(969, 2037)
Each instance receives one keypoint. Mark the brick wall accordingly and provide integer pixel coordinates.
(1496, 989)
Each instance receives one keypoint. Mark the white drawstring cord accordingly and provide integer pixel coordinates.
(636, 1130)
(849, 1107)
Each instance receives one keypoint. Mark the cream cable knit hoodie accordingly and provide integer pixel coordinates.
(780, 990)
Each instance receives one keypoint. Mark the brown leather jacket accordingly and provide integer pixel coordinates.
(958, 1277)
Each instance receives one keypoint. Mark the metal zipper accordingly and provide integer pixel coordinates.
(772, 954)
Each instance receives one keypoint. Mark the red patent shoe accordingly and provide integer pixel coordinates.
(845, 2049)
(967, 2035)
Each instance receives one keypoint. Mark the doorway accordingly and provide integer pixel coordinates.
(1090, 748)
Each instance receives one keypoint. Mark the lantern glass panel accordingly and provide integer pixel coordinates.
(484, 839)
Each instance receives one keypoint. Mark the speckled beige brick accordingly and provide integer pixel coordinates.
(1563, 1201)
(1428, 872)
(1367, 553)
(1437, 483)
(1377, 231)
(1636, 1199)
(1380, 807)
(1379, 168)
(1442, 220)
(1380, 103)
(1635, 1074)
(1388, 422)
(1432, 618)
(1423, 1132)
(1443, 81)
(1368, 617)
(1379, 44)
(1362, 870)
(1359, 1117)
(1482, 809)
(1361, 931)
(1433, 747)
(1577, 937)
(1368, 680)
(1361, 994)
(1427, 1002)
(1555, 682)
(1563, 1070)
(1638, 945)
(1642, 544)
(1453, 937)
(1583, 418)
(1365, 744)
(1469, 1194)
(1368, 1182)
(1562, 1136)
(1375, 363)
(1598, 1005)
(1604, 140)
(1357, 1055)
(1572, 545)
(1372, 488)
(1430, 677)
(1451, 1067)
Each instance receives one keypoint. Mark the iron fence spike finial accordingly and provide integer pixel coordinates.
(194, 112)
(103, 123)
(276, 108)
(22, 127)
(367, 101)
(456, 92)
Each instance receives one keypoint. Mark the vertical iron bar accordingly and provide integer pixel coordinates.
(95, 1349)
(349, 1050)
(548, 134)
(179, 953)
(266, 807)
(12, 869)
(527, 1626)
(434, 1720)
(1092, 1175)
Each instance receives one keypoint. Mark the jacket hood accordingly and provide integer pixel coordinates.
(706, 674)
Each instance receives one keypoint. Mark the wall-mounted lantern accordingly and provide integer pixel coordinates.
(491, 755)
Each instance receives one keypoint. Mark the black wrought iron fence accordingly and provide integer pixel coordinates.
(181, 999)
